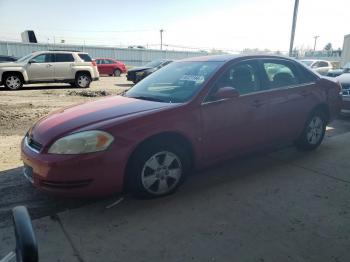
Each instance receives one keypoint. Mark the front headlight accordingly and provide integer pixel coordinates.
(82, 142)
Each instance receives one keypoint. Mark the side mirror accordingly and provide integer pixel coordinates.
(26, 244)
(31, 61)
(226, 93)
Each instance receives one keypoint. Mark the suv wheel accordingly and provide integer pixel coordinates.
(313, 132)
(157, 170)
(83, 80)
(13, 82)
(117, 72)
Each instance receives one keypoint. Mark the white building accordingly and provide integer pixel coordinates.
(345, 56)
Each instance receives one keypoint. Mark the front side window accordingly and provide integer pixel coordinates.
(280, 74)
(43, 58)
(64, 58)
(323, 64)
(176, 83)
(242, 76)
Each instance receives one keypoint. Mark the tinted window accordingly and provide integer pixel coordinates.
(85, 57)
(64, 58)
(242, 76)
(322, 64)
(280, 74)
(154, 63)
(44, 58)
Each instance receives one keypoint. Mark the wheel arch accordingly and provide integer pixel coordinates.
(81, 72)
(19, 73)
(174, 137)
(324, 108)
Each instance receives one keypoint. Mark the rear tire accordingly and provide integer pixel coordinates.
(314, 131)
(117, 73)
(157, 169)
(82, 80)
(13, 81)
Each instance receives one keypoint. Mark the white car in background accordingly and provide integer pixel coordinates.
(320, 66)
(76, 68)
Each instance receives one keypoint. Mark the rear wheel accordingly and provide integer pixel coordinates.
(13, 81)
(157, 170)
(117, 72)
(313, 132)
(82, 80)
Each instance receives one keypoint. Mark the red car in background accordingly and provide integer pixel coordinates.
(108, 66)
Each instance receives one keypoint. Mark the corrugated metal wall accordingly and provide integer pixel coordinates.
(345, 55)
(133, 57)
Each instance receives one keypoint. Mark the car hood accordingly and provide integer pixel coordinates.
(136, 69)
(74, 118)
(344, 78)
(11, 64)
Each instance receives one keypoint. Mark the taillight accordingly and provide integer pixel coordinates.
(93, 63)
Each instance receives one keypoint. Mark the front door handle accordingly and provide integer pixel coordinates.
(49, 65)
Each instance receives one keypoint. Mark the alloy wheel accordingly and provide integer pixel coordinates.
(161, 173)
(83, 81)
(13, 82)
(315, 129)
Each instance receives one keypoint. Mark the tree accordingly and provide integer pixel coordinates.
(328, 47)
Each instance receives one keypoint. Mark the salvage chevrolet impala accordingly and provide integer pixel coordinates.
(187, 115)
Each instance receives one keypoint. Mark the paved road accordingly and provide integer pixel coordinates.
(15, 190)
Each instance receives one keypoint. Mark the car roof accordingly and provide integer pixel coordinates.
(59, 51)
(226, 58)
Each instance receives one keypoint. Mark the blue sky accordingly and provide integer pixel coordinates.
(234, 24)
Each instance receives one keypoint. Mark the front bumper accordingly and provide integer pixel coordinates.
(86, 175)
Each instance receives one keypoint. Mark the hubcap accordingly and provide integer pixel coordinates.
(315, 130)
(83, 81)
(13, 82)
(161, 173)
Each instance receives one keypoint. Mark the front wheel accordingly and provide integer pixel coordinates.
(313, 132)
(117, 73)
(157, 170)
(82, 80)
(13, 82)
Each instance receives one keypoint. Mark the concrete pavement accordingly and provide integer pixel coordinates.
(286, 206)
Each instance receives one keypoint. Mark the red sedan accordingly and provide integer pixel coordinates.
(110, 67)
(187, 115)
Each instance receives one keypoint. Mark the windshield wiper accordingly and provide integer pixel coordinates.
(148, 98)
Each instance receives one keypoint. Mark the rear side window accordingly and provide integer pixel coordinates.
(64, 58)
(280, 74)
(323, 64)
(85, 57)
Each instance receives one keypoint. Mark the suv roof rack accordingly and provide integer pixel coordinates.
(66, 50)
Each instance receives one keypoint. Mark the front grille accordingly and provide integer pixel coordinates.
(65, 184)
(31, 143)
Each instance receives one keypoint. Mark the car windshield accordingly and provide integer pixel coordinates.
(307, 62)
(175, 83)
(154, 63)
(24, 58)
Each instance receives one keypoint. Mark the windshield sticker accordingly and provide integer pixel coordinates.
(194, 78)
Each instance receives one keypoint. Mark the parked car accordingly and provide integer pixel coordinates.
(338, 72)
(320, 66)
(5, 58)
(75, 68)
(110, 67)
(344, 80)
(137, 74)
(187, 115)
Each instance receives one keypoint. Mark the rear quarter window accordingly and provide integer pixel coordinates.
(85, 57)
(305, 75)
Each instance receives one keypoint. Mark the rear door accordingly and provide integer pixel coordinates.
(40, 68)
(63, 66)
(290, 99)
(104, 67)
(234, 126)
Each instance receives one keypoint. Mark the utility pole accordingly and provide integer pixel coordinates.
(295, 15)
(161, 39)
(316, 36)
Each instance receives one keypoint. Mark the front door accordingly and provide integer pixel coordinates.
(40, 68)
(237, 125)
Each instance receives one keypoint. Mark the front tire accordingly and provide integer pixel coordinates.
(313, 132)
(83, 80)
(13, 82)
(157, 169)
(117, 73)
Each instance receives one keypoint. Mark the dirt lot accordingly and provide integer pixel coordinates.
(20, 109)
